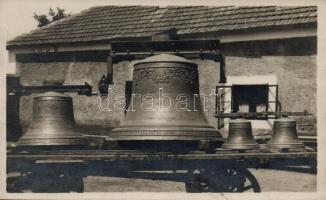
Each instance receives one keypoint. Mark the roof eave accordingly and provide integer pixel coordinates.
(296, 30)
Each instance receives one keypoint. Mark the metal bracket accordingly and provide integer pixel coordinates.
(21, 90)
(191, 49)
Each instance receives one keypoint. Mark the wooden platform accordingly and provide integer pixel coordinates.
(67, 168)
(116, 155)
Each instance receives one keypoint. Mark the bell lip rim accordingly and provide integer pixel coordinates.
(187, 132)
(166, 135)
(53, 145)
(300, 147)
(63, 137)
(240, 146)
(32, 141)
(174, 138)
(165, 128)
(284, 144)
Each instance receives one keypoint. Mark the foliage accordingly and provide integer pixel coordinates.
(53, 15)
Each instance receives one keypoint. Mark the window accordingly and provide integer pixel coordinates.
(249, 98)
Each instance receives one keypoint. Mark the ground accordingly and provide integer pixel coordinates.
(269, 180)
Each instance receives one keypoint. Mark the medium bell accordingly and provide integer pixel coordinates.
(53, 122)
(164, 106)
(240, 136)
(285, 135)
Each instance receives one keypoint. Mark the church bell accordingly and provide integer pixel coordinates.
(165, 103)
(53, 122)
(240, 136)
(285, 135)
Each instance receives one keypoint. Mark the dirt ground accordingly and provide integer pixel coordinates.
(268, 179)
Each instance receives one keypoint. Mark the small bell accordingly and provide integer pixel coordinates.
(285, 135)
(53, 122)
(240, 136)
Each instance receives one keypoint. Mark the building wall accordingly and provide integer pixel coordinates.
(296, 77)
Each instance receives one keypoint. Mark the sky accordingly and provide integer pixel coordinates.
(16, 18)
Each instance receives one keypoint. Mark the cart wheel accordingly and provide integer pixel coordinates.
(222, 180)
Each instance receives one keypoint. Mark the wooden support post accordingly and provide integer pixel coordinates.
(222, 70)
(220, 105)
(278, 105)
(128, 94)
(13, 128)
(221, 91)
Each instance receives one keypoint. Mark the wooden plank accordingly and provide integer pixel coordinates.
(159, 46)
(47, 161)
(129, 56)
(123, 155)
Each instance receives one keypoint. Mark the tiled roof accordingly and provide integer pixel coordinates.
(114, 22)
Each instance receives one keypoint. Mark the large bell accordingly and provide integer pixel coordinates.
(163, 104)
(285, 135)
(53, 122)
(240, 136)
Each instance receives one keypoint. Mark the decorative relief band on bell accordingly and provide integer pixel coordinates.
(165, 75)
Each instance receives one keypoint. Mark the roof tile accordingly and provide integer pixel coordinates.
(112, 22)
